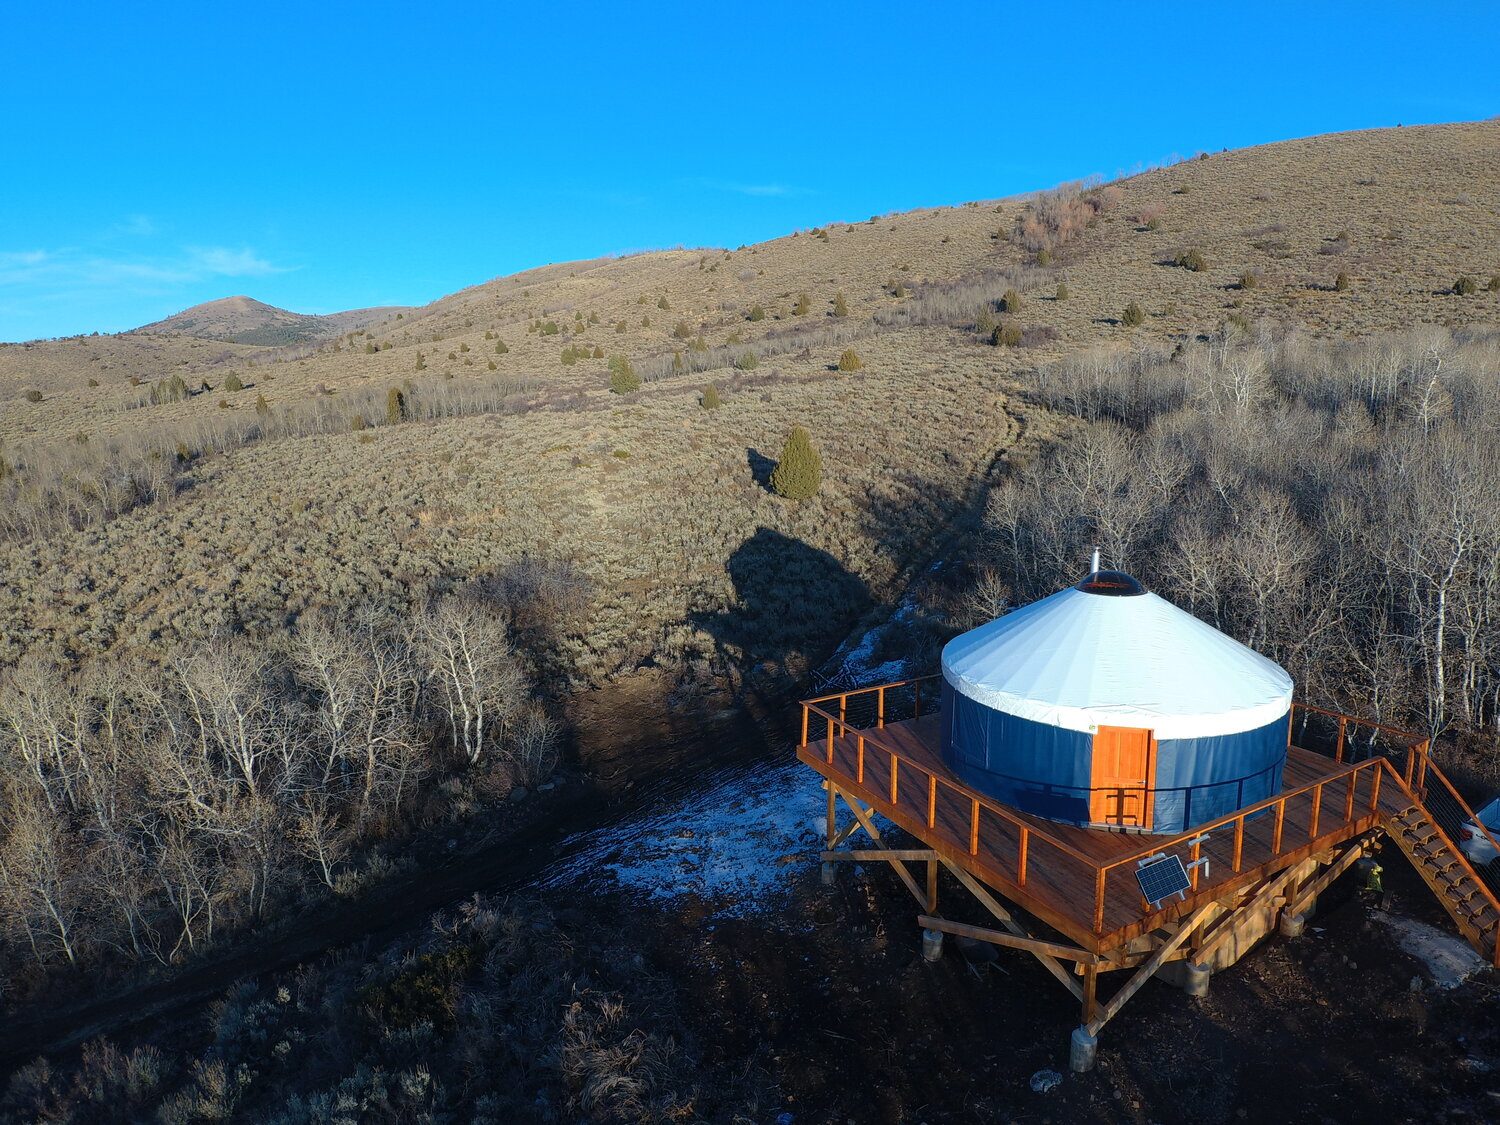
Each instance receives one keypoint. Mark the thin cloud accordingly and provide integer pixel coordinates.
(758, 190)
(44, 271)
(140, 225)
(220, 262)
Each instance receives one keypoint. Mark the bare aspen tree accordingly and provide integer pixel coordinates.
(476, 681)
(39, 885)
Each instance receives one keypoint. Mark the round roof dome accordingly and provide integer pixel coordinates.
(1108, 653)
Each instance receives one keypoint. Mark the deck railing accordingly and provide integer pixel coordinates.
(1355, 789)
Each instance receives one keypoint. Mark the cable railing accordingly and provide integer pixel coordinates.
(1014, 845)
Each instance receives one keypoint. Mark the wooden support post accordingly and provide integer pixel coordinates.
(1228, 925)
(878, 855)
(1306, 895)
(932, 870)
(1145, 972)
(1090, 994)
(831, 825)
(868, 825)
(987, 900)
(1011, 941)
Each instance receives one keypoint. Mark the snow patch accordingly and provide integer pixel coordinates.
(735, 844)
(855, 666)
(1450, 960)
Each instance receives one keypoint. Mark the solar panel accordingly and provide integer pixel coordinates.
(1161, 879)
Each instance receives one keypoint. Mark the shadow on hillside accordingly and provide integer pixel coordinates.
(761, 467)
(792, 604)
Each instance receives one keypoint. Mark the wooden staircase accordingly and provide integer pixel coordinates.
(1470, 903)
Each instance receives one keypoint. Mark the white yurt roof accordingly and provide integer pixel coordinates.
(1080, 660)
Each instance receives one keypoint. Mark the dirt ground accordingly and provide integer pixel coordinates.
(851, 1025)
(824, 1010)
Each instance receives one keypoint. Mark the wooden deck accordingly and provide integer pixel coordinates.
(1081, 881)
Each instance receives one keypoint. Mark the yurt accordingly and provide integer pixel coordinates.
(1106, 706)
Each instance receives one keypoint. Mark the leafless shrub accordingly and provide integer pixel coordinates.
(1286, 491)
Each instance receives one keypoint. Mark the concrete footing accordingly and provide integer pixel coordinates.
(829, 874)
(1083, 1049)
(1195, 979)
(1292, 925)
(932, 945)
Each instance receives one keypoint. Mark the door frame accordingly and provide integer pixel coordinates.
(1147, 789)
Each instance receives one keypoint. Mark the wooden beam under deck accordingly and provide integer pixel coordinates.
(1081, 881)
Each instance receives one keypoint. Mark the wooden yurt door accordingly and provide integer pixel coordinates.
(1123, 777)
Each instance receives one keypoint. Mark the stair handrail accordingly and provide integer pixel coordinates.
(1458, 855)
(1430, 769)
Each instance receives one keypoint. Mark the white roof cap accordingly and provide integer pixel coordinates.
(1081, 660)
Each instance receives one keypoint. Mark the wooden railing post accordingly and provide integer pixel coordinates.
(1338, 754)
(895, 772)
(880, 708)
(1349, 798)
(830, 740)
(843, 708)
(1239, 842)
(806, 712)
(1375, 786)
(917, 704)
(931, 800)
(1280, 821)
(1317, 801)
(974, 828)
(859, 774)
(1099, 900)
(1021, 858)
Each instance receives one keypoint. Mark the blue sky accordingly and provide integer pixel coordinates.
(323, 156)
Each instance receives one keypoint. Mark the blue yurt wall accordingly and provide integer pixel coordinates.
(1106, 705)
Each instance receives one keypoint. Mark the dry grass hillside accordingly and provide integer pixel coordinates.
(281, 624)
(139, 512)
(248, 321)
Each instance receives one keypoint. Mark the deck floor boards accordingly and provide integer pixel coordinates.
(1063, 861)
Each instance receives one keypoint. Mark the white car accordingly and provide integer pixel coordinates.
(1475, 844)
